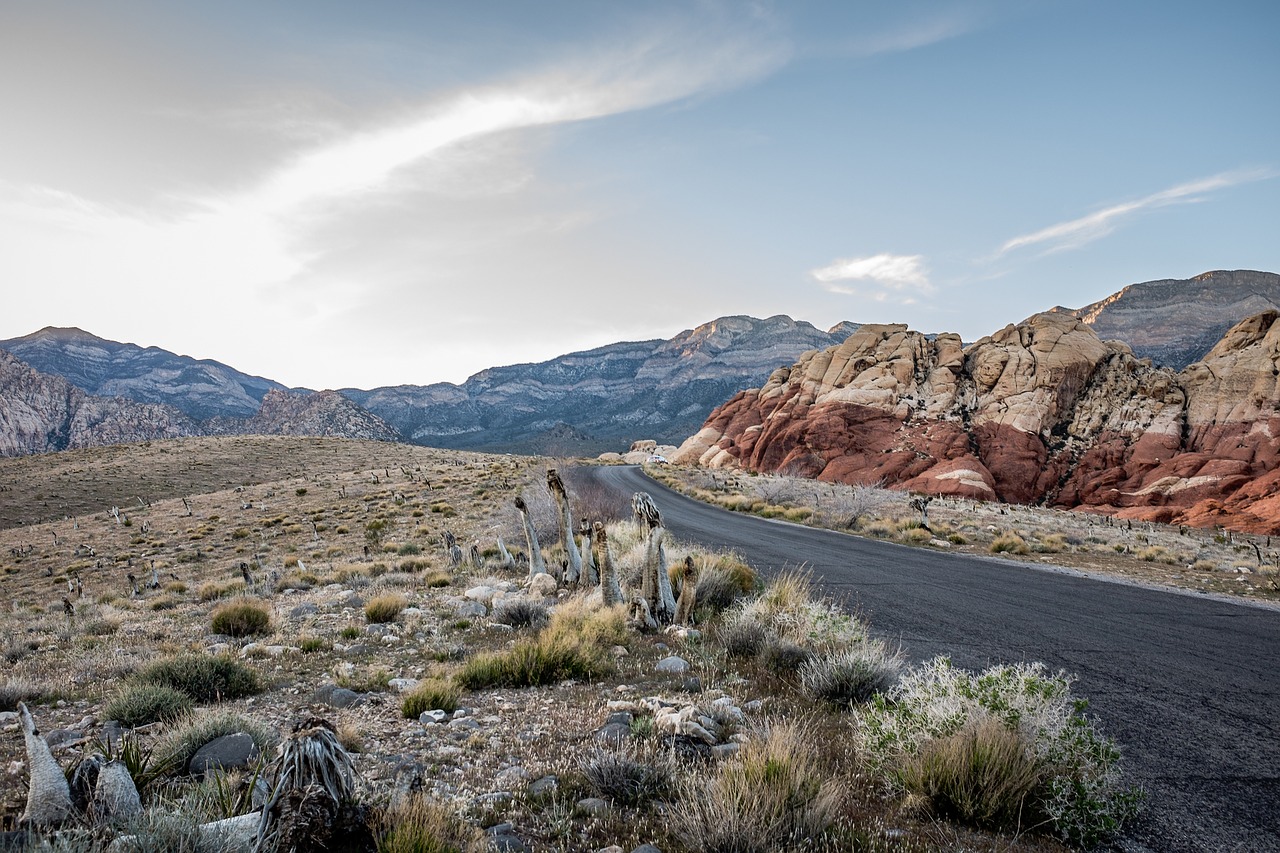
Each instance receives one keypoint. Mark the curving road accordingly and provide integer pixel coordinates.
(1189, 687)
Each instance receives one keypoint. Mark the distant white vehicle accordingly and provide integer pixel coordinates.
(659, 460)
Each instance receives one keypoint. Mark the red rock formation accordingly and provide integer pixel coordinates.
(1040, 412)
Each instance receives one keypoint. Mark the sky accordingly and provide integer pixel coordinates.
(339, 194)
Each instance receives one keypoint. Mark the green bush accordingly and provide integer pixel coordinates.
(385, 608)
(774, 795)
(431, 694)
(574, 645)
(984, 775)
(1080, 794)
(140, 704)
(241, 619)
(205, 678)
(851, 676)
(1009, 543)
(185, 738)
(418, 825)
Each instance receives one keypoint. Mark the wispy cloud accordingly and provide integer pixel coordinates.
(1077, 232)
(882, 277)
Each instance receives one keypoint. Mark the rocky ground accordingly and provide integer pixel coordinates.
(323, 528)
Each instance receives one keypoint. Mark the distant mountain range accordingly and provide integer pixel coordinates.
(577, 404)
(580, 403)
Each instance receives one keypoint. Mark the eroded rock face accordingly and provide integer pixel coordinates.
(1041, 411)
(41, 413)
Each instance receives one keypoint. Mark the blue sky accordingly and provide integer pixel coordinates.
(341, 194)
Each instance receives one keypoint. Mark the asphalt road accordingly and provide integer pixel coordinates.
(1188, 686)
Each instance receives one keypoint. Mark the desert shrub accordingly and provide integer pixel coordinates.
(774, 795)
(178, 745)
(213, 590)
(431, 694)
(1052, 543)
(205, 678)
(308, 645)
(519, 613)
(409, 549)
(412, 565)
(916, 536)
(573, 645)
(1080, 794)
(790, 609)
(1156, 554)
(419, 825)
(103, 626)
(140, 704)
(1204, 566)
(781, 656)
(301, 581)
(13, 691)
(1009, 543)
(742, 636)
(957, 539)
(437, 579)
(385, 608)
(350, 632)
(880, 529)
(722, 581)
(984, 774)
(624, 778)
(241, 619)
(851, 676)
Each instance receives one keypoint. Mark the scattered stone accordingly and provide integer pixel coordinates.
(337, 697)
(229, 752)
(725, 750)
(619, 651)
(62, 738)
(545, 785)
(646, 848)
(482, 594)
(432, 718)
(470, 609)
(403, 685)
(612, 848)
(468, 723)
(593, 806)
(692, 684)
(673, 664)
(613, 734)
(542, 585)
(512, 777)
(626, 718)
(307, 609)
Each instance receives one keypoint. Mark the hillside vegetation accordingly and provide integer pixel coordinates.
(365, 601)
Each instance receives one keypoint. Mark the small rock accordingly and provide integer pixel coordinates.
(692, 684)
(673, 664)
(613, 734)
(612, 848)
(753, 706)
(593, 806)
(302, 610)
(500, 829)
(470, 609)
(725, 750)
(626, 718)
(59, 738)
(482, 594)
(545, 785)
(464, 723)
(512, 777)
(403, 684)
(459, 713)
(431, 718)
(507, 843)
(542, 585)
(646, 848)
(229, 752)
(619, 651)
(339, 697)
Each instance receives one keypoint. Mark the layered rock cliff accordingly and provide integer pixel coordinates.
(202, 388)
(1043, 411)
(323, 413)
(40, 413)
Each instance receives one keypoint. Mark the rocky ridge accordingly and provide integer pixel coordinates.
(323, 413)
(596, 400)
(40, 413)
(1040, 412)
(200, 388)
(1175, 322)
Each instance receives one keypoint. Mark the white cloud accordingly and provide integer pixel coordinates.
(895, 272)
(1086, 229)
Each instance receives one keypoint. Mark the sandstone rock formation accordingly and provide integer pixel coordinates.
(1043, 411)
